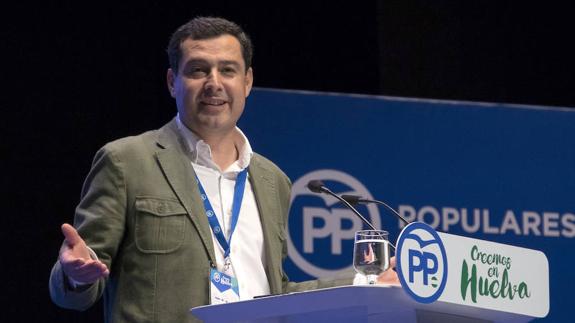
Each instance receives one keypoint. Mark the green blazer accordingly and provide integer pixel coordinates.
(142, 214)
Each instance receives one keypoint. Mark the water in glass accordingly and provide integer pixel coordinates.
(371, 253)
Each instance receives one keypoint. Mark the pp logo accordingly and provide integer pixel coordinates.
(321, 230)
(421, 262)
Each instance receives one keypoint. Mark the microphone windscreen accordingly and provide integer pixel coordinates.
(351, 199)
(315, 186)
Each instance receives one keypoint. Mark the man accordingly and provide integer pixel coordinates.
(155, 207)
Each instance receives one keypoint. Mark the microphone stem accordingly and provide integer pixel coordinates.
(341, 199)
(328, 191)
(387, 207)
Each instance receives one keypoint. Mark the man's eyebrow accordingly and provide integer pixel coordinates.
(201, 61)
(196, 61)
(230, 62)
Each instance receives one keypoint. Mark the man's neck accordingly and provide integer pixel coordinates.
(223, 147)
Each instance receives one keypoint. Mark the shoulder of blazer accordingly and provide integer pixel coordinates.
(267, 165)
(149, 141)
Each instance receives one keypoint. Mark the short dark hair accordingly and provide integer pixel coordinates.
(205, 28)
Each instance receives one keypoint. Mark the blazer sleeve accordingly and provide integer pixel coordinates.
(100, 221)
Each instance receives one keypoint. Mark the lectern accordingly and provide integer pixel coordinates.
(444, 278)
(361, 304)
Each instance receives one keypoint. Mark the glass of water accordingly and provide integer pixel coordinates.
(371, 253)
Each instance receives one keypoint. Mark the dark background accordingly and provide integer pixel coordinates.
(78, 74)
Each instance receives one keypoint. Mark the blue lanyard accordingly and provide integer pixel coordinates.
(236, 206)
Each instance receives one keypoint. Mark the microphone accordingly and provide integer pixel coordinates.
(354, 199)
(318, 186)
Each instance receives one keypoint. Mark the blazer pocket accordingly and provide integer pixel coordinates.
(160, 225)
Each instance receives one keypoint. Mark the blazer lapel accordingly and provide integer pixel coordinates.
(263, 185)
(175, 164)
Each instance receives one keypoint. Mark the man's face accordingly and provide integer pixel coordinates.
(211, 85)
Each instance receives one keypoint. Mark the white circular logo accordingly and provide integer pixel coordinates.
(217, 277)
(421, 262)
(321, 230)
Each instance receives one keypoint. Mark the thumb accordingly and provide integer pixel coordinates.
(71, 235)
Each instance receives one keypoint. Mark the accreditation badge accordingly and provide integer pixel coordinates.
(223, 287)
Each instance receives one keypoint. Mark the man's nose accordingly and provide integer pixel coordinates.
(213, 82)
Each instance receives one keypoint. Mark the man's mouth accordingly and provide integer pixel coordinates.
(213, 101)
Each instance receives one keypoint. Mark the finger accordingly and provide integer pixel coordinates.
(90, 278)
(71, 262)
(89, 273)
(393, 278)
(388, 278)
(392, 262)
(71, 235)
(85, 275)
(93, 265)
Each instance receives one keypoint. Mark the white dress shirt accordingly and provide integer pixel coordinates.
(247, 246)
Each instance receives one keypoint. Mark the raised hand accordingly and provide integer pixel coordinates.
(76, 261)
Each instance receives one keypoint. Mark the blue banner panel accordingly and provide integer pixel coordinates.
(502, 173)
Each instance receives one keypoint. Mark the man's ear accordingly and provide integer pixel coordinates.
(170, 80)
(249, 81)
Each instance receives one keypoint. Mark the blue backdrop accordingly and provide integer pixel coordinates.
(503, 173)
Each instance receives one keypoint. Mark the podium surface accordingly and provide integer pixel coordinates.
(349, 304)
